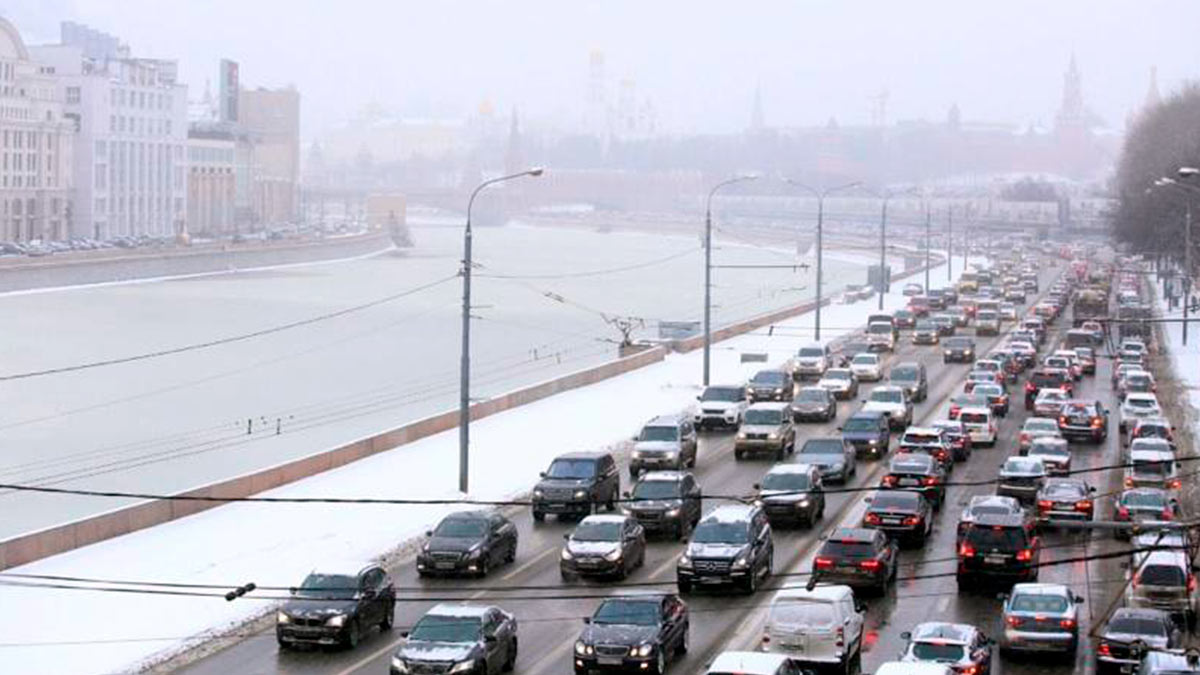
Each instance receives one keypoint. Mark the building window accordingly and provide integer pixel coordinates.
(101, 177)
(72, 94)
(101, 148)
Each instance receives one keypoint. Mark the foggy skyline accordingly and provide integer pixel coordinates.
(698, 63)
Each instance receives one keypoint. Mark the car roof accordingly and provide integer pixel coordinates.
(791, 468)
(768, 405)
(476, 514)
(582, 454)
(1139, 613)
(974, 409)
(665, 476)
(451, 609)
(1154, 455)
(667, 420)
(874, 414)
(981, 500)
(1000, 520)
(1040, 589)
(922, 430)
(820, 593)
(852, 534)
(953, 633)
(727, 513)
(749, 663)
(604, 518)
(912, 668)
(1141, 396)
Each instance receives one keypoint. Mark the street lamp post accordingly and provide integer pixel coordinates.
(949, 243)
(820, 195)
(708, 267)
(464, 399)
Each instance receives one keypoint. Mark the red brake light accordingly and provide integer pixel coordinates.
(1045, 504)
(1029, 386)
(1067, 623)
(1097, 422)
(1191, 583)
(1083, 505)
(1062, 420)
(1014, 621)
(1025, 437)
(930, 480)
(1104, 649)
(1174, 484)
(1025, 555)
(966, 550)
(823, 563)
(1129, 481)
(1122, 512)
(889, 481)
(871, 565)
(1167, 514)
(872, 519)
(912, 520)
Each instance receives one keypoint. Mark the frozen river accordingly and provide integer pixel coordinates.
(170, 423)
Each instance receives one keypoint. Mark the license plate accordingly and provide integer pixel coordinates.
(609, 660)
(994, 559)
(893, 521)
(909, 481)
(557, 506)
(444, 565)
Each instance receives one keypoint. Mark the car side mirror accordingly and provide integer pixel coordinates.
(293, 590)
(369, 593)
(839, 428)
(542, 474)
(757, 486)
(404, 634)
(626, 494)
(428, 533)
(1079, 599)
(587, 619)
(566, 536)
(906, 635)
(489, 639)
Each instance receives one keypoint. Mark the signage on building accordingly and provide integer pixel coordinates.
(229, 90)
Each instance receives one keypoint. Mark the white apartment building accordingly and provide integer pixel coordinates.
(130, 163)
(36, 143)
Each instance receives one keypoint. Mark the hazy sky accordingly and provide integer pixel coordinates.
(699, 61)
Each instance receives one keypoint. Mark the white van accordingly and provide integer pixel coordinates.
(823, 626)
(910, 668)
(980, 425)
(752, 663)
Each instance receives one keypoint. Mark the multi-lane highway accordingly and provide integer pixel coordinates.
(550, 620)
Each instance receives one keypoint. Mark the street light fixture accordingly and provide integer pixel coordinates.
(1187, 242)
(464, 400)
(708, 266)
(1188, 172)
(820, 195)
(885, 196)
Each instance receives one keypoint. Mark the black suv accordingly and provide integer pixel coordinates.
(732, 545)
(336, 607)
(857, 557)
(958, 350)
(996, 547)
(639, 633)
(576, 484)
(450, 635)
(468, 542)
(792, 493)
(770, 385)
(665, 501)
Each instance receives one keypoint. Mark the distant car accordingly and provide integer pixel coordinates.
(958, 437)
(1055, 453)
(576, 484)
(633, 633)
(1041, 617)
(834, 458)
(1021, 477)
(669, 502)
(960, 401)
(980, 423)
(1136, 406)
(767, 428)
(926, 332)
(732, 546)
(1152, 468)
(468, 542)
(336, 606)
(475, 639)
(665, 442)
(911, 375)
(857, 557)
(1036, 427)
(911, 290)
(867, 367)
(721, 406)
(892, 401)
(930, 441)
(603, 546)
(959, 645)
(770, 385)
(814, 404)
(792, 493)
(988, 505)
(811, 361)
(1049, 403)
(1153, 427)
(868, 432)
(903, 514)
(841, 382)
(917, 471)
(996, 395)
(1065, 499)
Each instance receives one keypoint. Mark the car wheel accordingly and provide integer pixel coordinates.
(738, 454)
(685, 587)
(353, 635)
(512, 553)
(660, 664)
(751, 585)
(780, 453)
(611, 504)
(389, 617)
(538, 516)
(566, 576)
(510, 661)
(485, 564)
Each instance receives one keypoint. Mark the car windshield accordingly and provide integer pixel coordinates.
(989, 390)
(785, 481)
(879, 328)
(958, 343)
(659, 434)
(887, 396)
(905, 373)
(808, 395)
(974, 418)
(1135, 625)
(769, 377)
(935, 651)
(1147, 500)
(626, 612)
(729, 394)
(763, 416)
(920, 439)
(838, 375)
(909, 465)
(1049, 450)
(1041, 424)
(860, 424)
(865, 360)
(604, 530)
(435, 628)
(988, 509)
(327, 586)
(572, 468)
(1038, 602)
(811, 352)
(717, 532)
(822, 446)
(1162, 575)
(461, 527)
(985, 538)
(1141, 403)
(1063, 491)
(1021, 465)
(848, 549)
(656, 489)
(925, 324)
(900, 500)
(1145, 468)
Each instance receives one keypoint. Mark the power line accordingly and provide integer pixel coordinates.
(225, 340)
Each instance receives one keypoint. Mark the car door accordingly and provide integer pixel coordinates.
(688, 434)
(635, 540)
(494, 641)
(369, 582)
(672, 623)
(691, 499)
(498, 542)
(763, 538)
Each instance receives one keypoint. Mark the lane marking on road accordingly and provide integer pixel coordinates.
(529, 563)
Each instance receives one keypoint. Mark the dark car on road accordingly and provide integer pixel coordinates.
(997, 548)
(337, 606)
(1143, 505)
(468, 542)
(767, 428)
(1084, 419)
(917, 471)
(925, 332)
(857, 557)
(668, 502)
(792, 493)
(770, 385)
(990, 505)
(833, 457)
(958, 350)
(603, 546)
(732, 546)
(576, 484)
(635, 634)
(1065, 499)
(814, 404)
(468, 639)
(868, 432)
(1152, 628)
(903, 514)
(1047, 378)
(911, 376)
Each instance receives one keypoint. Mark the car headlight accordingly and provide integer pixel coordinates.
(399, 665)
(742, 562)
(773, 435)
(583, 649)
(336, 621)
(741, 435)
(637, 454)
(644, 650)
(462, 666)
(566, 554)
(873, 442)
(581, 494)
(613, 555)
(685, 560)
(672, 454)
(625, 510)
(779, 390)
(537, 493)
(475, 551)
(672, 513)
(281, 617)
(425, 547)
(802, 503)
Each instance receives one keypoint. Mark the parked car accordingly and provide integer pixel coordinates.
(767, 428)
(336, 606)
(868, 432)
(721, 406)
(1041, 618)
(835, 459)
(814, 628)
(665, 442)
(792, 493)
(474, 639)
(904, 515)
(576, 484)
(468, 542)
(731, 546)
(858, 558)
(814, 404)
(665, 501)
(634, 633)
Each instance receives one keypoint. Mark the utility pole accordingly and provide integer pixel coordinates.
(708, 267)
(928, 246)
(949, 243)
(1187, 268)
(883, 270)
(820, 195)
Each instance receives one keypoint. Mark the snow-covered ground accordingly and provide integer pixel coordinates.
(83, 631)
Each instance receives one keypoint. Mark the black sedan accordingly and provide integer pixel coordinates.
(903, 514)
(471, 639)
(639, 634)
(610, 546)
(468, 542)
(336, 607)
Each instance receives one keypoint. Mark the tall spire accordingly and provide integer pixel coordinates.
(757, 123)
(514, 157)
(1153, 97)
(1071, 113)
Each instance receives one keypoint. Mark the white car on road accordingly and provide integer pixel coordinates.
(867, 367)
(980, 424)
(893, 402)
(1138, 405)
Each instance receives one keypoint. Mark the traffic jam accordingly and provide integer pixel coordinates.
(983, 481)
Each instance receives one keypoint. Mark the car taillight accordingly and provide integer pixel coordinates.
(1062, 420)
(1002, 400)
(1174, 484)
(766, 639)
(1104, 650)
(871, 565)
(912, 520)
(889, 481)
(1069, 624)
(966, 551)
(1191, 583)
(954, 412)
(969, 670)
(872, 519)
(1167, 514)
(1029, 386)
(823, 563)
(1025, 555)
(1129, 481)
(1083, 505)
(1025, 437)
(1045, 504)
(1097, 422)
(942, 455)
(1122, 512)
(930, 480)
(1014, 621)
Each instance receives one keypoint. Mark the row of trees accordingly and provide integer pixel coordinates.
(1161, 141)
